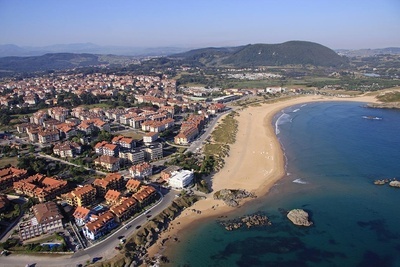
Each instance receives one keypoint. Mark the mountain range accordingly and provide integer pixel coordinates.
(7, 50)
(252, 55)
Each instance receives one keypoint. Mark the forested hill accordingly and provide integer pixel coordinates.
(293, 52)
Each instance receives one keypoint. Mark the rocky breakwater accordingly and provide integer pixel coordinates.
(395, 183)
(248, 221)
(232, 196)
(299, 217)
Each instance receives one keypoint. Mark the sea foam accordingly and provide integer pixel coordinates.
(299, 181)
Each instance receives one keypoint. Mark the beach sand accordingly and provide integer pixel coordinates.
(255, 163)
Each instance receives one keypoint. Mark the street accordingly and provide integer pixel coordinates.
(105, 249)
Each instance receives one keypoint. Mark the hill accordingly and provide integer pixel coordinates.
(293, 52)
(58, 61)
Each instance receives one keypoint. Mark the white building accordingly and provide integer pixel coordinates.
(181, 179)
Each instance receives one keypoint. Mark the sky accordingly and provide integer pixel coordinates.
(337, 24)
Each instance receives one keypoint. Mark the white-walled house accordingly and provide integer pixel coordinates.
(181, 179)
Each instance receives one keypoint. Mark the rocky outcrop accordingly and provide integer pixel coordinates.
(395, 183)
(247, 221)
(232, 196)
(299, 217)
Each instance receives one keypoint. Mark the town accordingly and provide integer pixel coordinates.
(90, 155)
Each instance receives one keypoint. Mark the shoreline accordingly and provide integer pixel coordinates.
(255, 163)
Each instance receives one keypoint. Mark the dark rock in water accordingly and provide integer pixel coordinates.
(248, 221)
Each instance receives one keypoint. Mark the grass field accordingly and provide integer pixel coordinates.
(134, 135)
(6, 160)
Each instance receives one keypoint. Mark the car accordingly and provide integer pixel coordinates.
(148, 216)
(127, 227)
(138, 226)
(117, 248)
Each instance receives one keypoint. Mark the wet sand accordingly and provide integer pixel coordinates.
(255, 163)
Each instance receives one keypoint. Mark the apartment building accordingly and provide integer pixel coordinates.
(181, 179)
(101, 225)
(68, 149)
(109, 163)
(112, 197)
(153, 151)
(41, 187)
(145, 195)
(10, 175)
(133, 185)
(125, 209)
(111, 181)
(47, 219)
(81, 196)
(141, 170)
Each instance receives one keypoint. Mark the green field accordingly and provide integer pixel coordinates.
(6, 160)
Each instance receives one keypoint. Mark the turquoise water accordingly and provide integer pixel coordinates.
(334, 152)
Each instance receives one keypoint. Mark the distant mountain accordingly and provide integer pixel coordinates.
(54, 61)
(293, 52)
(369, 52)
(14, 50)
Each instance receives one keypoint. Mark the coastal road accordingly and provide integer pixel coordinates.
(198, 143)
(104, 249)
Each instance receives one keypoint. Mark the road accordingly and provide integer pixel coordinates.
(104, 249)
(68, 163)
(198, 143)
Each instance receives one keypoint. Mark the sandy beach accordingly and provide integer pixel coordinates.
(255, 163)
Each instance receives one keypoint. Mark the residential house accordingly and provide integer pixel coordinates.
(101, 225)
(105, 148)
(141, 170)
(107, 162)
(47, 136)
(81, 215)
(150, 137)
(68, 149)
(133, 185)
(125, 142)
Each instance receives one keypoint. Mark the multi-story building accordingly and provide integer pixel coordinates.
(150, 137)
(141, 170)
(124, 142)
(133, 185)
(82, 196)
(107, 162)
(134, 156)
(68, 149)
(112, 197)
(47, 219)
(125, 209)
(153, 151)
(167, 173)
(41, 187)
(10, 175)
(81, 215)
(181, 179)
(145, 195)
(101, 225)
(105, 148)
(48, 136)
(111, 181)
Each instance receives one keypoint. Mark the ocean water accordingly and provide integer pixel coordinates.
(334, 151)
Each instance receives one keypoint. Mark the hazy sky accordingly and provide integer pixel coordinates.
(337, 24)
